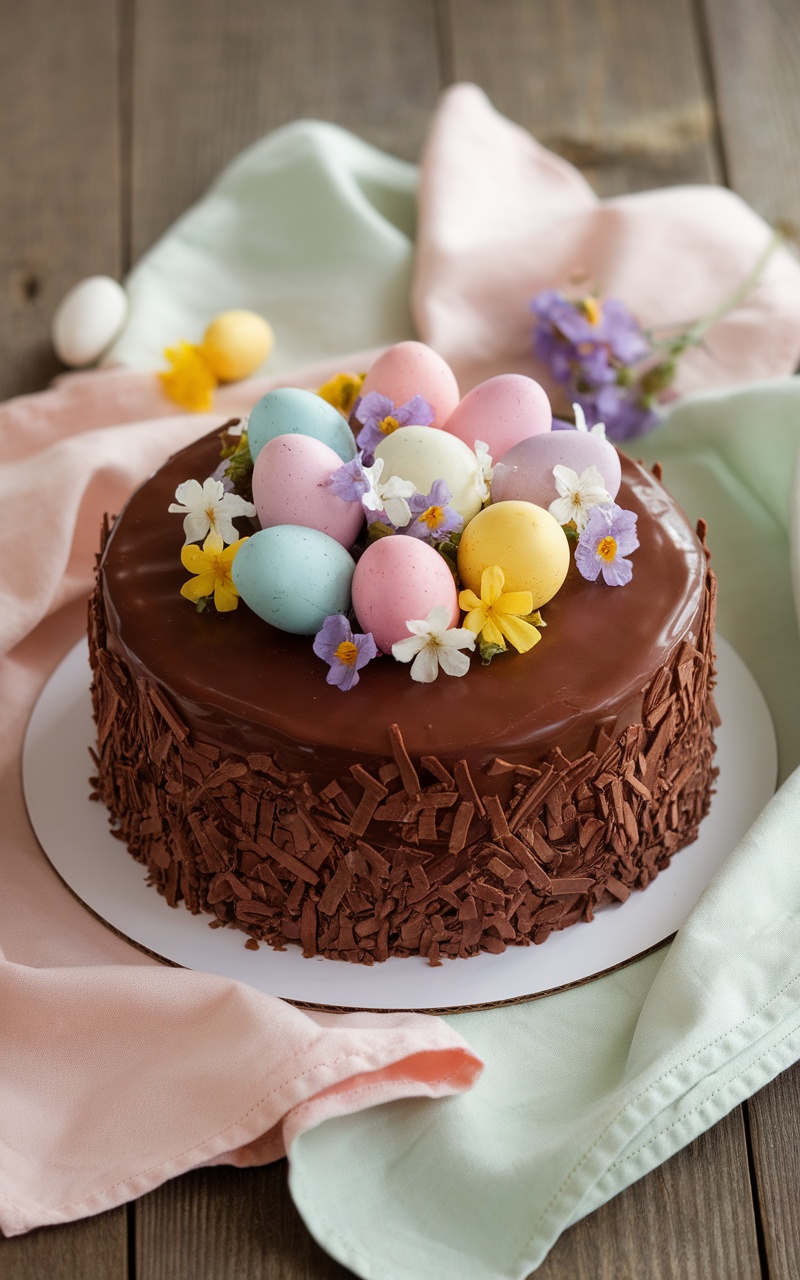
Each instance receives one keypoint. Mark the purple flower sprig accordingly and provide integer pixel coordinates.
(345, 652)
(609, 536)
(617, 371)
(432, 517)
(379, 417)
(594, 349)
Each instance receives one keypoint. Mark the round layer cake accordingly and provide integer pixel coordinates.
(401, 818)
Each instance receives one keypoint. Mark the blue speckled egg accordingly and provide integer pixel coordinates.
(289, 411)
(294, 577)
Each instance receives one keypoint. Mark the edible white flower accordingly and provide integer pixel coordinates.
(432, 644)
(485, 470)
(208, 508)
(599, 428)
(577, 495)
(390, 496)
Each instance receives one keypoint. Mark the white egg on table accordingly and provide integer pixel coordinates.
(87, 320)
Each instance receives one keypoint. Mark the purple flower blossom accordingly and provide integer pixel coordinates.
(623, 409)
(591, 349)
(431, 516)
(609, 536)
(345, 652)
(379, 418)
(349, 482)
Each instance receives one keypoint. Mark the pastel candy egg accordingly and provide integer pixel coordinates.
(528, 544)
(411, 369)
(290, 411)
(526, 471)
(423, 455)
(236, 343)
(87, 320)
(400, 579)
(289, 488)
(294, 577)
(501, 412)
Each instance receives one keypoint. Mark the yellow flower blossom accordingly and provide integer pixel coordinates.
(191, 382)
(498, 617)
(212, 564)
(342, 391)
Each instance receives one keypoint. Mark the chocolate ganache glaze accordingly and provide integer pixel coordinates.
(400, 818)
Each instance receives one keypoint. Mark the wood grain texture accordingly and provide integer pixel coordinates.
(775, 1136)
(691, 1218)
(94, 1249)
(221, 1222)
(59, 172)
(616, 86)
(754, 48)
(206, 85)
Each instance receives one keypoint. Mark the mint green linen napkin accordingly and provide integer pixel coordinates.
(310, 227)
(586, 1091)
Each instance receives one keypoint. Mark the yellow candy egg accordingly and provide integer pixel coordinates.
(236, 343)
(525, 540)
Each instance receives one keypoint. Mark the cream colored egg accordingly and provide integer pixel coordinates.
(525, 541)
(87, 320)
(424, 455)
(236, 343)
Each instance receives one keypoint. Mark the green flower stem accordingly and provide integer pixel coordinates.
(693, 336)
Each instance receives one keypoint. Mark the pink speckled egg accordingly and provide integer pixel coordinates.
(411, 369)
(289, 487)
(501, 412)
(525, 473)
(398, 579)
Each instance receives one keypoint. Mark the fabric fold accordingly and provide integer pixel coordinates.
(502, 219)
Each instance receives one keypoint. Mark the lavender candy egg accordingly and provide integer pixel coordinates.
(289, 487)
(501, 412)
(397, 580)
(525, 473)
(293, 577)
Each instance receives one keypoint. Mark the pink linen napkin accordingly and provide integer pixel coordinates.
(501, 218)
(117, 1072)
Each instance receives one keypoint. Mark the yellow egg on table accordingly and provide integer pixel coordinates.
(526, 542)
(236, 343)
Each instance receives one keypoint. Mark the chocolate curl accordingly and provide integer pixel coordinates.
(408, 774)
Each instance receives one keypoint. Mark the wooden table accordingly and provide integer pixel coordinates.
(114, 118)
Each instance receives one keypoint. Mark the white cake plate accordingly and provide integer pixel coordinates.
(74, 833)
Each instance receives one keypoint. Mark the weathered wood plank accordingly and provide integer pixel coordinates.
(212, 77)
(94, 1249)
(754, 49)
(755, 53)
(616, 86)
(692, 1217)
(775, 1135)
(59, 172)
(227, 1222)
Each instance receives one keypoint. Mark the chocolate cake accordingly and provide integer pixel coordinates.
(402, 818)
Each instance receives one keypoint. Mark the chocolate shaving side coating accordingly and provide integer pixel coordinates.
(420, 839)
